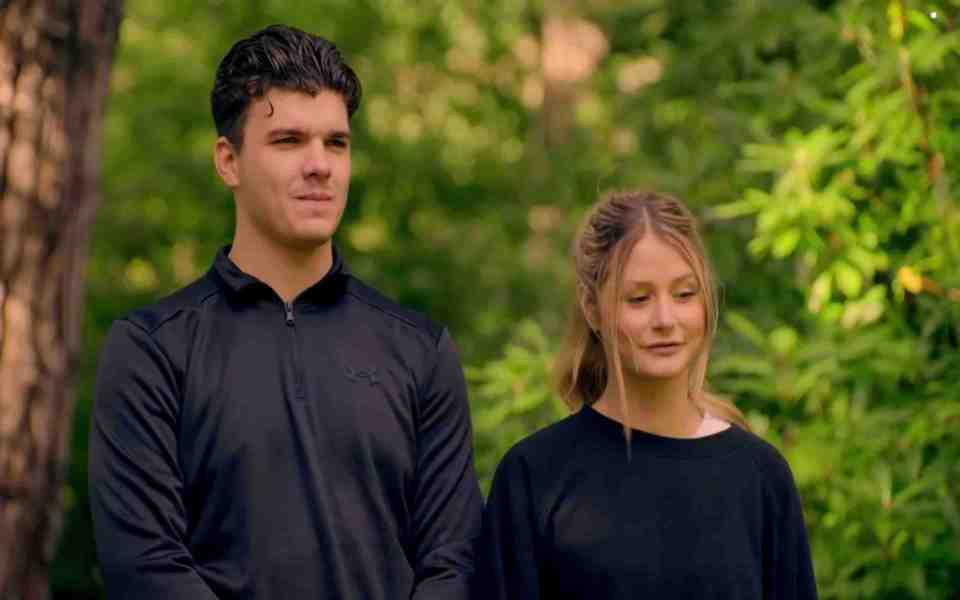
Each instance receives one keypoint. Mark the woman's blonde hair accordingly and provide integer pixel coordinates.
(591, 351)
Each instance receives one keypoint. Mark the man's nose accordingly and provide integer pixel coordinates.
(316, 161)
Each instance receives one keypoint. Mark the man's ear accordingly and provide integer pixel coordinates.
(225, 159)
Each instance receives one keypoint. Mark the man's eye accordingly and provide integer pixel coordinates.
(286, 140)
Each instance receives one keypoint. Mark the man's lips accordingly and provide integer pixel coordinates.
(315, 197)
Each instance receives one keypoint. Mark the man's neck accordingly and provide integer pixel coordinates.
(662, 407)
(288, 271)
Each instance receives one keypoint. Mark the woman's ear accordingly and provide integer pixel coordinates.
(588, 306)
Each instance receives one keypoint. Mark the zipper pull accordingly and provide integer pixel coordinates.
(289, 310)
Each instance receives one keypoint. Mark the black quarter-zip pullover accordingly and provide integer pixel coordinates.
(243, 447)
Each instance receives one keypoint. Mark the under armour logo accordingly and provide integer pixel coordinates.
(370, 375)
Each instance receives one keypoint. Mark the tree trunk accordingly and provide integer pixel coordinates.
(55, 59)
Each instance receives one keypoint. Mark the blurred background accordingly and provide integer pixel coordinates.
(819, 141)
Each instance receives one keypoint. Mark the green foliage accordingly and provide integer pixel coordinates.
(512, 396)
(817, 140)
(860, 210)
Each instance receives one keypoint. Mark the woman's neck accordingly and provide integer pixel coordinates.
(662, 407)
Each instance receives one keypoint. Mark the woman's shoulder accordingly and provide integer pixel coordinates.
(547, 443)
(768, 460)
(566, 445)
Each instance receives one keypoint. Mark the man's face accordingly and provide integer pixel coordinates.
(290, 177)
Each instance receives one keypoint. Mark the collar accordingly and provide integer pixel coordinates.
(331, 285)
(719, 443)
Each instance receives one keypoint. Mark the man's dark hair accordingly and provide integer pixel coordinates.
(283, 57)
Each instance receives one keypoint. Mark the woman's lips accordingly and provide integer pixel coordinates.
(664, 349)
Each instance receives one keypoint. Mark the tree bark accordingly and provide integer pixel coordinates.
(55, 59)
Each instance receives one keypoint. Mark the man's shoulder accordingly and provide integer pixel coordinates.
(393, 311)
(190, 297)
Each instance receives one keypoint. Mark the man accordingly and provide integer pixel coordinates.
(278, 429)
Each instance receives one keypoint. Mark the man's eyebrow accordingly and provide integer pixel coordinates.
(284, 131)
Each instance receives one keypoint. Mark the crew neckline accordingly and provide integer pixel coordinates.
(708, 446)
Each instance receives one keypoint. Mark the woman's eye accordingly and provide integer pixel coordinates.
(638, 299)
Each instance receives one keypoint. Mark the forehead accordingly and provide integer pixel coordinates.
(653, 259)
(291, 109)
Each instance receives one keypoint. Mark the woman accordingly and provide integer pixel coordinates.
(652, 488)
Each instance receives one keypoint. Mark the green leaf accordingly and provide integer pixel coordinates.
(785, 242)
(783, 340)
(742, 325)
(849, 279)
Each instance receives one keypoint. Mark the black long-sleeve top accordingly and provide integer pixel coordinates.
(713, 518)
(241, 447)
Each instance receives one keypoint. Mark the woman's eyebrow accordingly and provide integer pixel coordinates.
(642, 282)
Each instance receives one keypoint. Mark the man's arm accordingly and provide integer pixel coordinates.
(136, 487)
(448, 505)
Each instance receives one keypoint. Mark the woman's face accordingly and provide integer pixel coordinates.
(662, 312)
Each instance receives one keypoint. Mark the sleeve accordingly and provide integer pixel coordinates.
(508, 555)
(136, 488)
(788, 567)
(447, 504)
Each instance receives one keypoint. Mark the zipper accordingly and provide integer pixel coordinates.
(297, 367)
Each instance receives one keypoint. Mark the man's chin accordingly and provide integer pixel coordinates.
(308, 242)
